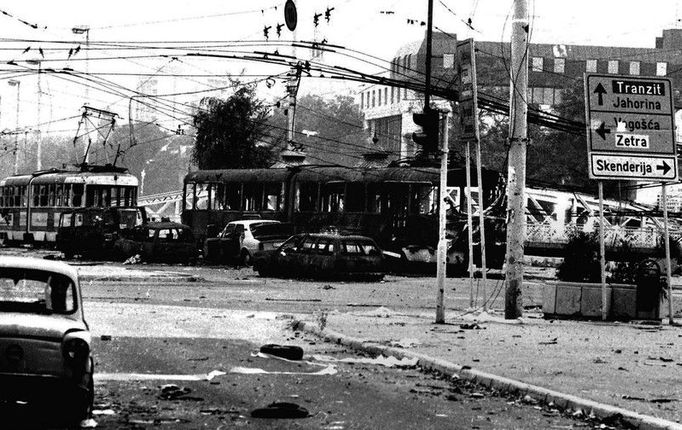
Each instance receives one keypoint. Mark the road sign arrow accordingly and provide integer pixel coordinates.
(600, 90)
(665, 167)
(603, 131)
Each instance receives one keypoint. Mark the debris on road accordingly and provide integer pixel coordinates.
(280, 410)
(289, 352)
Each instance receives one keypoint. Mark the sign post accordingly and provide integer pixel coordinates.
(630, 136)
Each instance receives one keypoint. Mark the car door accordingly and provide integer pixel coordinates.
(295, 260)
(321, 258)
(226, 243)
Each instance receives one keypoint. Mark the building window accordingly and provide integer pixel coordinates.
(537, 64)
(362, 100)
(406, 62)
(392, 96)
(634, 67)
(559, 65)
(591, 66)
(385, 96)
(373, 98)
(379, 97)
(613, 66)
(661, 69)
(398, 95)
(448, 61)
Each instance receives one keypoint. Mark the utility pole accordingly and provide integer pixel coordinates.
(516, 176)
(84, 29)
(15, 83)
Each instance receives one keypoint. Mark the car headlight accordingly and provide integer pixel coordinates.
(75, 349)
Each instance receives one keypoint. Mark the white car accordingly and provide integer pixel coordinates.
(46, 359)
(239, 240)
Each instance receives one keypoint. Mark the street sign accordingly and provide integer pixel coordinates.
(465, 64)
(630, 127)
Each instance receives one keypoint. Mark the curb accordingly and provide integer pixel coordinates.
(151, 279)
(512, 386)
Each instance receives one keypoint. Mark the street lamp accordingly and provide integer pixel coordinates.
(39, 150)
(85, 29)
(15, 83)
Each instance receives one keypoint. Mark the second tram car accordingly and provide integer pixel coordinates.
(31, 204)
(396, 206)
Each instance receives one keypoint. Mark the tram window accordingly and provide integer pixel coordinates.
(423, 199)
(374, 200)
(43, 195)
(333, 197)
(114, 195)
(306, 197)
(65, 220)
(325, 246)
(308, 245)
(233, 196)
(355, 197)
(67, 195)
(3, 196)
(201, 199)
(189, 196)
(51, 194)
(77, 190)
(253, 197)
(218, 197)
(59, 195)
(273, 197)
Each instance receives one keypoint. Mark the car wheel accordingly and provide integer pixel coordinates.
(246, 258)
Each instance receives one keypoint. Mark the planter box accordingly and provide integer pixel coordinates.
(584, 300)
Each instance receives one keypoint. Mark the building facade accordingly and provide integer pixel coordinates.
(552, 69)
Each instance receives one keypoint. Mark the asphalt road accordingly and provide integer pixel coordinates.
(150, 335)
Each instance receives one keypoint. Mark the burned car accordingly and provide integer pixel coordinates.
(91, 232)
(163, 242)
(45, 344)
(322, 255)
(240, 240)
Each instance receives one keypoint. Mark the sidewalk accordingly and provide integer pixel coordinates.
(637, 367)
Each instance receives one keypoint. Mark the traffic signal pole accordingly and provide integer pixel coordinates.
(516, 175)
(441, 260)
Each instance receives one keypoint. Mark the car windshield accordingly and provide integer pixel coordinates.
(36, 291)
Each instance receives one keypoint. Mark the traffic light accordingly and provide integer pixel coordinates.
(427, 138)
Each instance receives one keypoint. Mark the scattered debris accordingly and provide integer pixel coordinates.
(88, 423)
(103, 412)
(328, 287)
(402, 363)
(280, 410)
(174, 392)
(135, 259)
(472, 326)
(599, 360)
(549, 342)
(105, 337)
(289, 352)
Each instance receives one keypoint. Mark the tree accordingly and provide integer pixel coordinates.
(333, 127)
(233, 133)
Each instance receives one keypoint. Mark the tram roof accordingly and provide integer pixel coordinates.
(239, 175)
(309, 173)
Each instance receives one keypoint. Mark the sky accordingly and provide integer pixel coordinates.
(370, 31)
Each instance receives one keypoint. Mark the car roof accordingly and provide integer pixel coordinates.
(13, 262)
(254, 221)
(166, 224)
(338, 236)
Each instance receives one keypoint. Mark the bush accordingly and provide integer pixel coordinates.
(581, 258)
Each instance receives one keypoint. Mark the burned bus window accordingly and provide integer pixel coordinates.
(273, 197)
(423, 199)
(306, 197)
(333, 197)
(355, 197)
(253, 197)
(375, 201)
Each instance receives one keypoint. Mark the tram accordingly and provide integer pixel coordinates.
(31, 204)
(396, 206)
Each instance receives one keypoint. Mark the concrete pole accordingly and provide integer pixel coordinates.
(441, 261)
(481, 228)
(470, 225)
(602, 254)
(516, 177)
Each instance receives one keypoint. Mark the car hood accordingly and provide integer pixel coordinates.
(31, 325)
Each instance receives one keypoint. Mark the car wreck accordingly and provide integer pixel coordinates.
(323, 256)
(46, 359)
